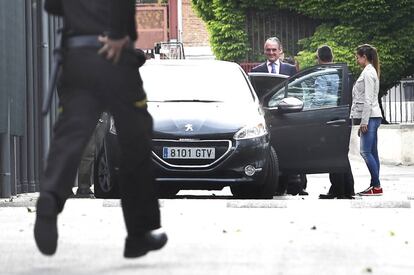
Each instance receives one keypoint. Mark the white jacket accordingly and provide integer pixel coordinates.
(365, 95)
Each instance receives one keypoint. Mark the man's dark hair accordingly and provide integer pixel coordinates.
(289, 60)
(325, 53)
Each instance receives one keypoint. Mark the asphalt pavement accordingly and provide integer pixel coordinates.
(211, 233)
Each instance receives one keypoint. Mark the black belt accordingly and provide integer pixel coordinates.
(82, 41)
(86, 41)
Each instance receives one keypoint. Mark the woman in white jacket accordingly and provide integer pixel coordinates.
(366, 112)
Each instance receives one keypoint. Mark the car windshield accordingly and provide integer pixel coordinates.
(195, 83)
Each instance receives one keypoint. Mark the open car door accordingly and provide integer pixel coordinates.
(308, 118)
(264, 82)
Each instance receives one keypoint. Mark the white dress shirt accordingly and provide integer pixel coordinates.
(277, 66)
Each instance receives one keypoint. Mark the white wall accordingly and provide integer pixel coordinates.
(395, 143)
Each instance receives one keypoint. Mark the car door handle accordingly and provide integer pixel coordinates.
(336, 122)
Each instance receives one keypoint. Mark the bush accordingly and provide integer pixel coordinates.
(385, 24)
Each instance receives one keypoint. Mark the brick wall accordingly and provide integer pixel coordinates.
(194, 29)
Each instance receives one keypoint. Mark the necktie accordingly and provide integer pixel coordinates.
(273, 68)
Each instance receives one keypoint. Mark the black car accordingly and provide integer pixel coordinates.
(211, 130)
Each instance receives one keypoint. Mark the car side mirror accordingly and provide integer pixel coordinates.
(290, 105)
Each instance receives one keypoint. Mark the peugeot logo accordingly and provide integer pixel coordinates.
(188, 127)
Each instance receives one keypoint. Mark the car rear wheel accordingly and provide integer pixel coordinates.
(266, 190)
(105, 185)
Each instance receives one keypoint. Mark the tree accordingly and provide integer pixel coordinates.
(385, 24)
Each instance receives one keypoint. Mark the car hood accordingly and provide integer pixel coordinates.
(201, 119)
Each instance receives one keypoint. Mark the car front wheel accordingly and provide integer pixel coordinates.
(268, 188)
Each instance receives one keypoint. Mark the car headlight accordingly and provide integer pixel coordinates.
(112, 128)
(251, 131)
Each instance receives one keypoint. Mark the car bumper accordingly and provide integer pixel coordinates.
(230, 170)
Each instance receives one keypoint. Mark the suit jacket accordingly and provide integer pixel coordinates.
(285, 68)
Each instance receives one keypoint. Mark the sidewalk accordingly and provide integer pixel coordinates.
(397, 181)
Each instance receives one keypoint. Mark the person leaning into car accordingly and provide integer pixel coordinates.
(342, 184)
(100, 74)
(290, 184)
(86, 166)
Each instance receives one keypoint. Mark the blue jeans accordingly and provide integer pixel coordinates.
(369, 150)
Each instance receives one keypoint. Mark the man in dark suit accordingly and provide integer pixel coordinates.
(290, 184)
(273, 64)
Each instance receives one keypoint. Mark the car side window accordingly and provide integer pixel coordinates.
(319, 88)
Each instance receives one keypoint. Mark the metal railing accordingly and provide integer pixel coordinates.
(398, 104)
(170, 50)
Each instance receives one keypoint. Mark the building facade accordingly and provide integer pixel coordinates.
(27, 38)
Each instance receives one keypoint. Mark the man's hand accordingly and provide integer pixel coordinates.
(112, 49)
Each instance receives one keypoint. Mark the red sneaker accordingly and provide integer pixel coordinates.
(371, 191)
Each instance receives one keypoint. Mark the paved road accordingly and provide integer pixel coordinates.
(287, 235)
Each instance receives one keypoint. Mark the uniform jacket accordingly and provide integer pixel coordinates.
(365, 96)
(114, 18)
(285, 68)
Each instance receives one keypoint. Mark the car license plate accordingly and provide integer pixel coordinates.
(188, 153)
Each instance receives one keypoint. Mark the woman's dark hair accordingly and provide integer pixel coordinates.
(371, 54)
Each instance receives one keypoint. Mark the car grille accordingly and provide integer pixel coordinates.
(222, 149)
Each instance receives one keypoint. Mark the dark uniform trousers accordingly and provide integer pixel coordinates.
(342, 183)
(89, 85)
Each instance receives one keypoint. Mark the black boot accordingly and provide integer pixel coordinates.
(328, 196)
(141, 245)
(45, 229)
(331, 196)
